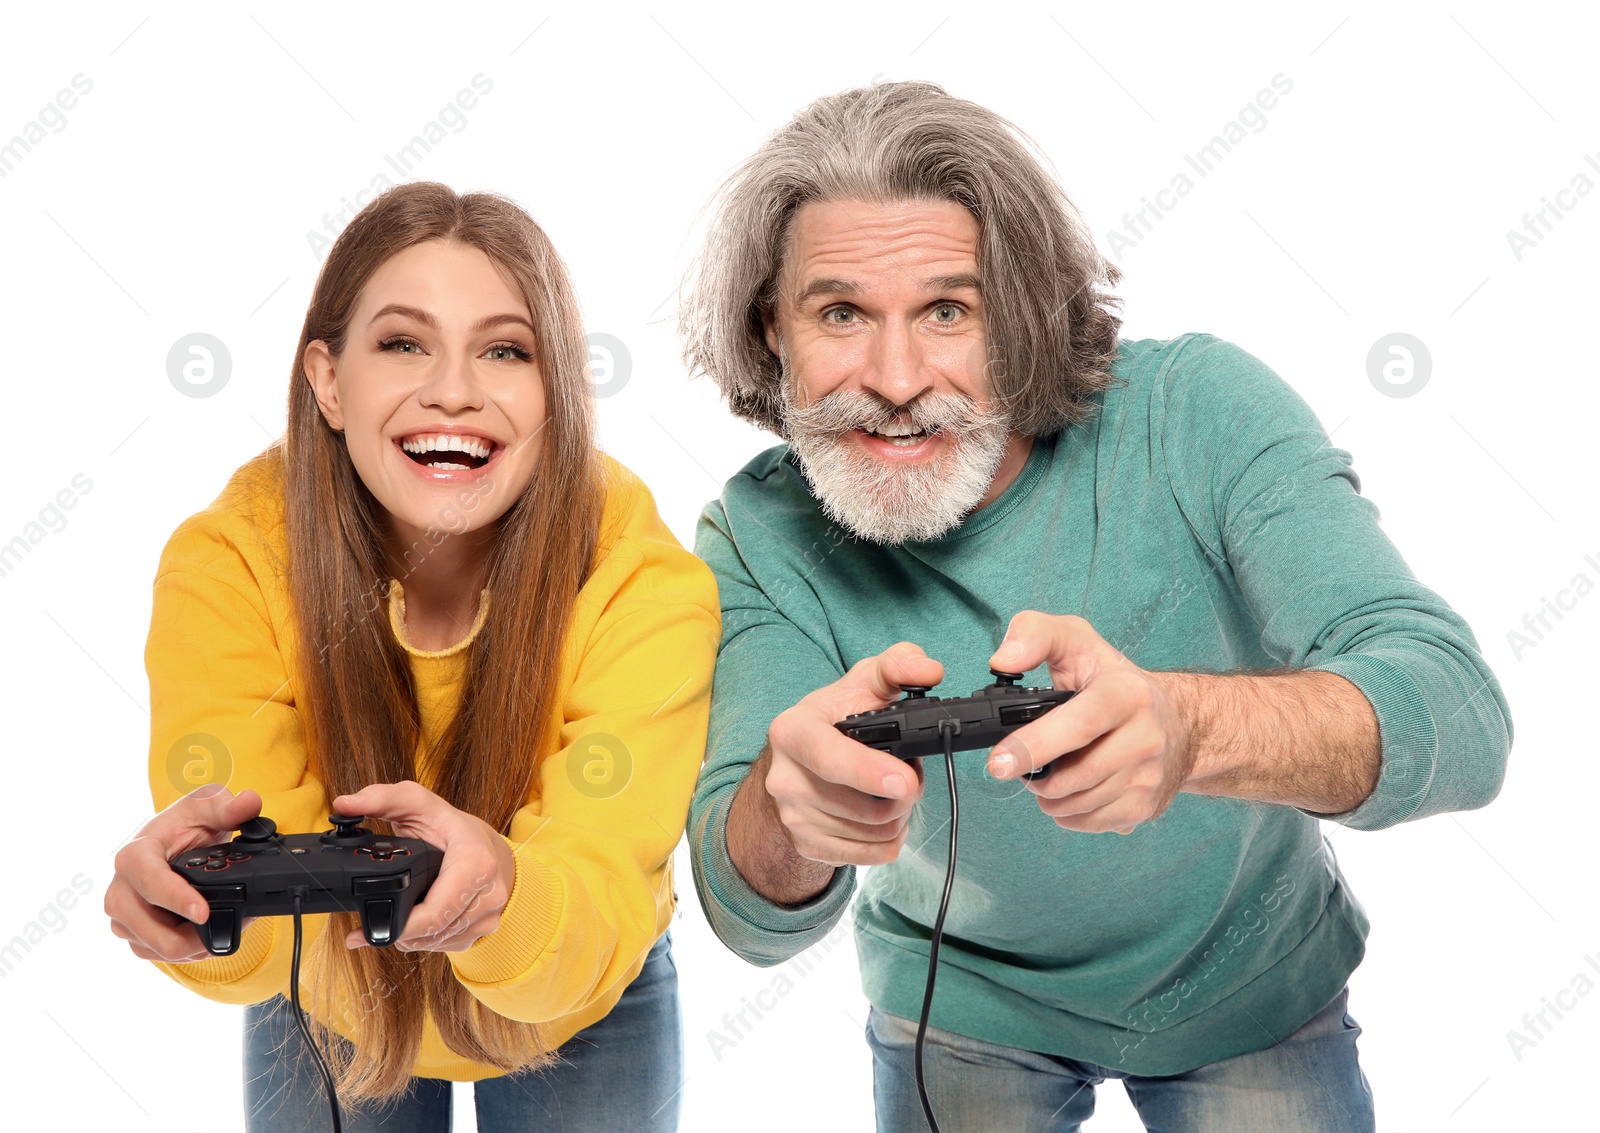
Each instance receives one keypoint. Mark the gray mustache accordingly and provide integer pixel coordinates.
(857, 409)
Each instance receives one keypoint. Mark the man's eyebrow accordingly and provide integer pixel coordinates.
(826, 286)
(952, 283)
(844, 287)
(425, 318)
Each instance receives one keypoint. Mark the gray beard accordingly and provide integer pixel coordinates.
(889, 502)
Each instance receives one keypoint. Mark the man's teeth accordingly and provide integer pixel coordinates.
(447, 442)
(902, 434)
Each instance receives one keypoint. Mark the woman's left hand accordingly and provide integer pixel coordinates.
(474, 882)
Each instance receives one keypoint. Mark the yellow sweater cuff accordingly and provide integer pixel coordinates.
(527, 925)
(224, 972)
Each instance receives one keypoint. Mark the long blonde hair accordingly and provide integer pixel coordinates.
(354, 686)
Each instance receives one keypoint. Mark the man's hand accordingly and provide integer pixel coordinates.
(1121, 747)
(474, 883)
(817, 799)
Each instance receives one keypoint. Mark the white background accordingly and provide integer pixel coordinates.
(178, 198)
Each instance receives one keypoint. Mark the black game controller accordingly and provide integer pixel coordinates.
(348, 869)
(910, 728)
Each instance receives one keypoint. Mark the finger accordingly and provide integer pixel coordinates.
(203, 815)
(150, 880)
(818, 824)
(813, 742)
(1086, 802)
(850, 805)
(1121, 816)
(1081, 771)
(1067, 643)
(462, 890)
(408, 803)
(874, 681)
(167, 937)
(1105, 703)
(844, 851)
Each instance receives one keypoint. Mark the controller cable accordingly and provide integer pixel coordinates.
(947, 729)
(300, 1016)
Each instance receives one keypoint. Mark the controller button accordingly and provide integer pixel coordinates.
(192, 862)
(876, 733)
(376, 886)
(215, 893)
(220, 933)
(383, 855)
(377, 922)
(215, 864)
(1015, 715)
(402, 852)
(238, 856)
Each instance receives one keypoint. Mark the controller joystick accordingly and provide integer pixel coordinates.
(264, 874)
(916, 692)
(347, 828)
(257, 831)
(1003, 679)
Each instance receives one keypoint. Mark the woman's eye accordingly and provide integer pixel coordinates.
(400, 345)
(506, 351)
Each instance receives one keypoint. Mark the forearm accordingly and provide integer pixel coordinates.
(1303, 739)
(760, 848)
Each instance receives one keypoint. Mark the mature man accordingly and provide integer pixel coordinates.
(980, 474)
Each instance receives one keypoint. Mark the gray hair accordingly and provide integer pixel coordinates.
(1051, 322)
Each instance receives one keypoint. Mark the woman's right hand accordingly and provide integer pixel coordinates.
(151, 907)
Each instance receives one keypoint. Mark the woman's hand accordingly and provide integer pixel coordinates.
(474, 883)
(151, 907)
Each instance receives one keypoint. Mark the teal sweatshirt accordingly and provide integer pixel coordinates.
(1199, 520)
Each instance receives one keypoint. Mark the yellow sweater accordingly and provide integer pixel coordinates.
(593, 848)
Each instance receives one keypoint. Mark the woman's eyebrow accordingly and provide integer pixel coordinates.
(424, 317)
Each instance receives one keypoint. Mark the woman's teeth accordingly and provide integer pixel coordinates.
(427, 448)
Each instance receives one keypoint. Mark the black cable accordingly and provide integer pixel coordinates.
(947, 729)
(300, 1020)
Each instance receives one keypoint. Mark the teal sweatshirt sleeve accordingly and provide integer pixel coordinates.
(1272, 501)
(765, 664)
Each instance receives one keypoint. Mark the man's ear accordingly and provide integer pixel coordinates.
(318, 363)
(769, 330)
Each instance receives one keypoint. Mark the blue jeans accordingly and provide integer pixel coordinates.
(624, 1072)
(1310, 1082)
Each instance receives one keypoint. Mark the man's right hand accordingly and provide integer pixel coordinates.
(151, 907)
(817, 799)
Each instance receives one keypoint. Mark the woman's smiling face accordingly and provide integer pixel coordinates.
(438, 391)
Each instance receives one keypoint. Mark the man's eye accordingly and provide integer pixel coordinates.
(841, 315)
(946, 313)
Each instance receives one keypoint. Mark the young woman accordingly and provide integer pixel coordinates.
(436, 604)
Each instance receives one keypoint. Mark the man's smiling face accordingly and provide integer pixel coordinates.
(879, 328)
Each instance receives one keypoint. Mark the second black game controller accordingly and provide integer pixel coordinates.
(914, 726)
(346, 869)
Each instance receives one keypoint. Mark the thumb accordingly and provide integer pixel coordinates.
(221, 809)
(903, 663)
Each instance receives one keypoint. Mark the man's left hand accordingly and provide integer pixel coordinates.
(1121, 747)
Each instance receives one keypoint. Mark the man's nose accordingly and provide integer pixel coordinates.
(897, 369)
